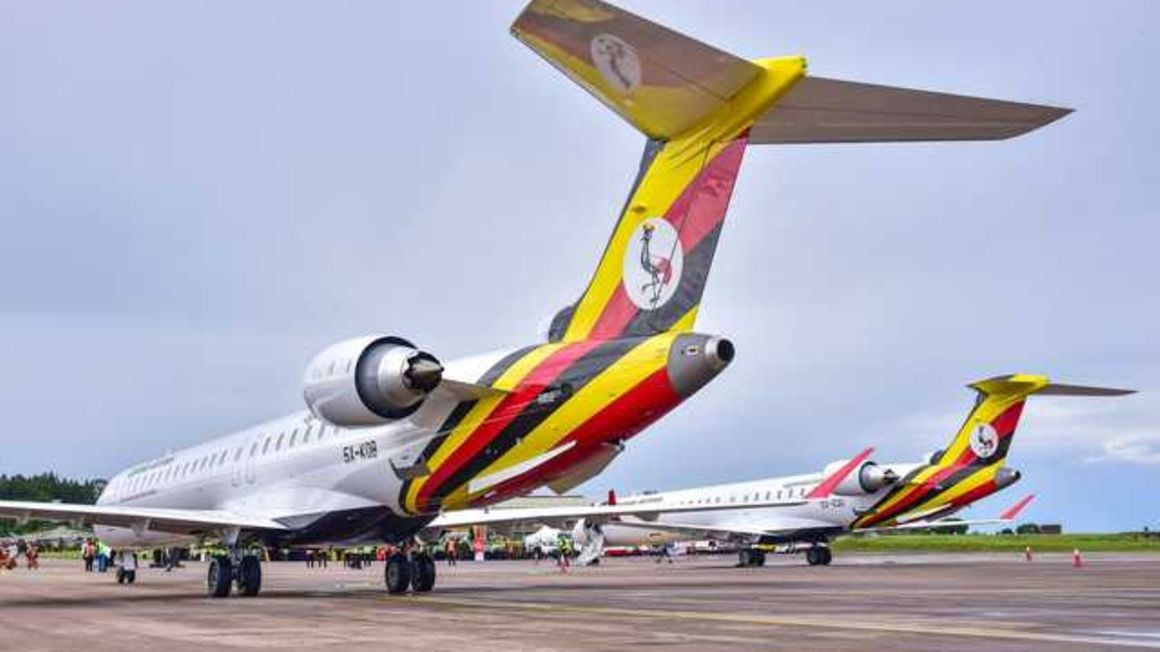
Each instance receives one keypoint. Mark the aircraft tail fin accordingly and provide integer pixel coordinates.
(986, 435)
(699, 108)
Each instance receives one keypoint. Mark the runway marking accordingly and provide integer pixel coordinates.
(785, 621)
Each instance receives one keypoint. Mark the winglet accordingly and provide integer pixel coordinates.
(1013, 511)
(828, 485)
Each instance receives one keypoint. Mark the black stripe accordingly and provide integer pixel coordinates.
(652, 148)
(460, 411)
(576, 376)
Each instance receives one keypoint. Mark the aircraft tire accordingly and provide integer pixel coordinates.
(249, 576)
(743, 558)
(424, 574)
(757, 558)
(120, 576)
(398, 574)
(219, 577)
(826, 556)
(130, 577)
(813, 556)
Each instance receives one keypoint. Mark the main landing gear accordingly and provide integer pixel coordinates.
(415, 571)
(242, 570)
(819, 556)
(750, 557)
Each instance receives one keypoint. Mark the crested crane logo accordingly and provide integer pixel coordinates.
(617, 61)
(984, 441)
(653, 262)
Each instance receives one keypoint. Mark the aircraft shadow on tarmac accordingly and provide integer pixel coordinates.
(142, 593)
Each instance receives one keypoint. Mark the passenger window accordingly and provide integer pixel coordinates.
(278, 445)
(237, 454)
(254, 449)
(266, 445)
(306, 435)
(293, 438)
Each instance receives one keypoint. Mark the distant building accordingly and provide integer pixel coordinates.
(1050, 528)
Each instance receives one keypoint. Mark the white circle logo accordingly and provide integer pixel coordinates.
(653, 263)
(984, 441)
(616, 60)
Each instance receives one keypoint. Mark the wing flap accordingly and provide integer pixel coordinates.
(821, 110)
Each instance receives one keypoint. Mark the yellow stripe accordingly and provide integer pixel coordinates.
(983, 475)
(508, 380)
(671, 172)
(637, 365)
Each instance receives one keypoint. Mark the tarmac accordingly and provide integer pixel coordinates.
(862, 602)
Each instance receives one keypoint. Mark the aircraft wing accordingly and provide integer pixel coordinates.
(821, 110)
(174, 521)
(1008, 516)
(560, 515)
(646, 512)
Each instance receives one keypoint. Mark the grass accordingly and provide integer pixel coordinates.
(1000, 543)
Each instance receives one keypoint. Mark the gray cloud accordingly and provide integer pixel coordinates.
(195, 197)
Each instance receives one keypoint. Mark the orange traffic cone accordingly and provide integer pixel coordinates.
(1076, 559)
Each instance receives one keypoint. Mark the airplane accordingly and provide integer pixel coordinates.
(848, 497)
(392, 437)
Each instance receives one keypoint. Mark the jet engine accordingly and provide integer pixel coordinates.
(866, 479)
(368, 381)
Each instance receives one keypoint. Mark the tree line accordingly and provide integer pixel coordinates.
(45, 487)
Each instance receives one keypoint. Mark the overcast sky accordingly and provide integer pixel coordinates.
(197, 196)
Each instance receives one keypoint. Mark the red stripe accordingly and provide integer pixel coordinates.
(507, 410)
(978, 493)
(618, 313)
(622, 419)
(704, 203)
(695, 213)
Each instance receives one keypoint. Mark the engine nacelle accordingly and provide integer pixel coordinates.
(866, 479)
(368, 381)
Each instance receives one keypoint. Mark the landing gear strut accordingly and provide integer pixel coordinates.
(415, 572)
(235, 568)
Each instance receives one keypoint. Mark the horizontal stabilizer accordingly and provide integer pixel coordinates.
(1057, 389)
(660, 81)
(820, 110)
(1026, 384)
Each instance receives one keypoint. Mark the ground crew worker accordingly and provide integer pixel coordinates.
(564, 551)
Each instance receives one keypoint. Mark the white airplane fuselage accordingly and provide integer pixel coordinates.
(811, 519)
